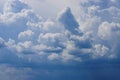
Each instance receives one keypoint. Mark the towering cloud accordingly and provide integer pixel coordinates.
(68, 20)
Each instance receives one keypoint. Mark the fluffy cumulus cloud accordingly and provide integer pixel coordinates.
(84, 35)
(25, 34)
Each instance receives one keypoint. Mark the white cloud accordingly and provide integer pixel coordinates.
(61, 38)
(9, 72)
(53, 56)
(13, 23)
(25, 34)
(66, 57)
(100, 51)
(23, 46)
(53, 7)
(109, 31)
(84, 31)
(51, 39)
(14, 6)
(68, 54)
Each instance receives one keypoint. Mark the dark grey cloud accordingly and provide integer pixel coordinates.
(68, 20)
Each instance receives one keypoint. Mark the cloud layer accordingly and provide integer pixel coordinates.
(29, 42)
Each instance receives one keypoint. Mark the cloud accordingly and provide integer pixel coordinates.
(63, 46)
(10, 21)
(68, 20)
(53, 56)
(2, 42)
(49, 36)
(36, 35)
(110, 33)
(14, 6)
(8, 72)
(25, 34)
(100, 51)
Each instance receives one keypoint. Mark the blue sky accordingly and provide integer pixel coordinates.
(59, 39)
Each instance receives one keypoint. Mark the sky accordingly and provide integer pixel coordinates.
(59, 39)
